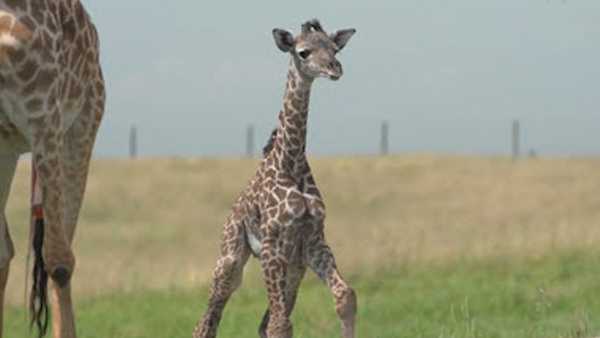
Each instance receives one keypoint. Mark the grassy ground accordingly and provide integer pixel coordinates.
(554, 296)
(442, 235)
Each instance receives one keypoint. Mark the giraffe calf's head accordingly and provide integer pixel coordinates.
(313, 50)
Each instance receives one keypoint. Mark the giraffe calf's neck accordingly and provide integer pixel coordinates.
(290, 146)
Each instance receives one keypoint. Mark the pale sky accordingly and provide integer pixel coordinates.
(449, 76)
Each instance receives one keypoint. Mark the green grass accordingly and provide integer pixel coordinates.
(551, 296)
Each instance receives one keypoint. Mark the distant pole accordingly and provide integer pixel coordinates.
(250, 141)
(133, 144)
(516, 138)
(532, 153)
(385, 142)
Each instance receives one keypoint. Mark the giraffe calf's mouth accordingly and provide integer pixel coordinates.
(331, 75)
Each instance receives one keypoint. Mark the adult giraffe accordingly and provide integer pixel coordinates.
(51, 103)
(280, 215)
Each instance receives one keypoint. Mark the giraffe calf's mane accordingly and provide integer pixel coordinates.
(270, 143)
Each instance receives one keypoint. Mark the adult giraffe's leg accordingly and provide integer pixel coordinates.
(227, 277)
(47, 145)
(294, 278)
(52, 252)
(320, 259)
(7, 169)
(77, 151)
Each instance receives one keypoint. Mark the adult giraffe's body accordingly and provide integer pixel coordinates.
(51, 103)
(279, 217)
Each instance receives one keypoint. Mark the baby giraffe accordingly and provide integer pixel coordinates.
(279, 217)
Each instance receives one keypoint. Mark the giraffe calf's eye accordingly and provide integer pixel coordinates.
(304, 53)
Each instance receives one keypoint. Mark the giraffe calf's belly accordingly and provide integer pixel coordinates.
(254, 243)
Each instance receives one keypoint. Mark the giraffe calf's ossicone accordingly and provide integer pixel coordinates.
(279, 217)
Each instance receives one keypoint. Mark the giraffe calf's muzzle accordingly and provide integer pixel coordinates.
(334, 70)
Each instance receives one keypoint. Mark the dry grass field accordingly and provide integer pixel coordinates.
(436, 246)
(156, 223)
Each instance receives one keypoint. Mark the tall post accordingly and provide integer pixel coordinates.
(516, 139)
(133, 144)
(250, 141)
(385, 142)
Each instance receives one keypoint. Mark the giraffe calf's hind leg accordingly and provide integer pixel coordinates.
(346, 306)
(322, 261)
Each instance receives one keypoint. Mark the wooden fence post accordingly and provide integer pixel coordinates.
(250, 141)
(516, 139)
(385, 142)
(133, 144)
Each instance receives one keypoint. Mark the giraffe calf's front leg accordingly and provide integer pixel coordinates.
(274, 265)
(295, 273)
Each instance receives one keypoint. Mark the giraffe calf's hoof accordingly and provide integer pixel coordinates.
(61, 276)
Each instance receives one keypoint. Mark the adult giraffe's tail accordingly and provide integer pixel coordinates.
(38, 299)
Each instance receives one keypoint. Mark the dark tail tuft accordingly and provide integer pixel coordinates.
(38, 303)
(271, 143)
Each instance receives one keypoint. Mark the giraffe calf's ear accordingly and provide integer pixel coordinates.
(341, 37)
(283, 39)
